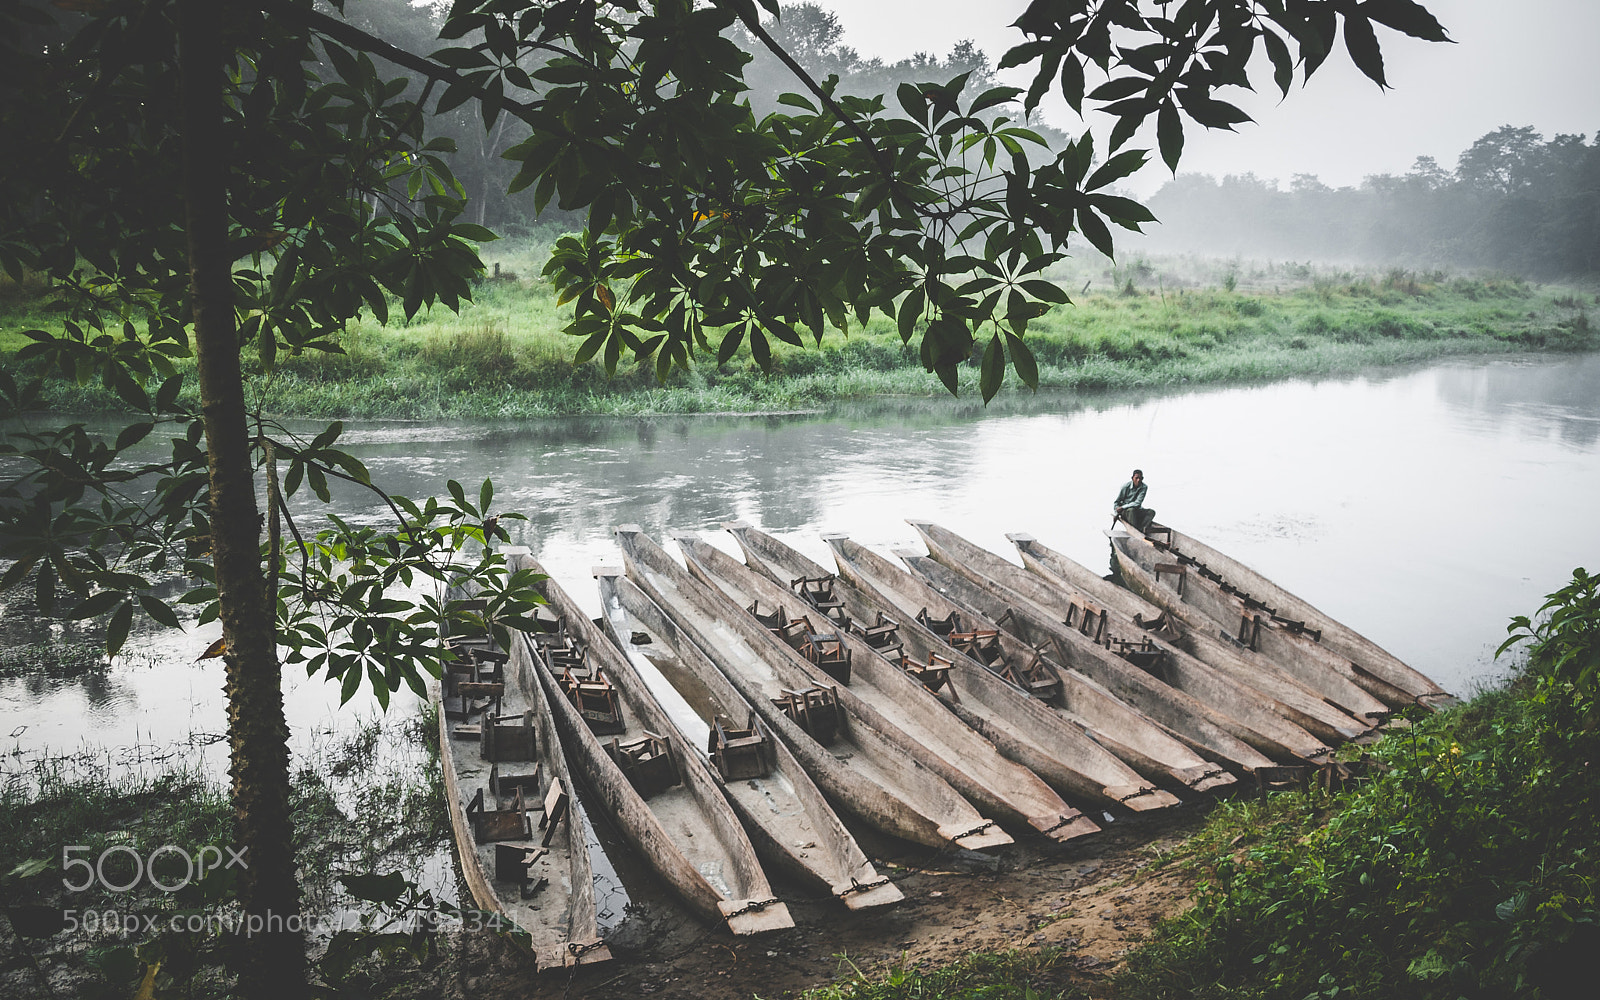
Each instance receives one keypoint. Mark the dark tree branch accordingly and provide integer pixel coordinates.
(349, 34)
(752, 24)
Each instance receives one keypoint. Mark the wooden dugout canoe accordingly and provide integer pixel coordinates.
(685, 830)
(1264, 616)
(943, 742)
(789, 820)
(1263, 722)
(1336, 710)
(559, 916)
(1019, 725)
(1282, 607)
(860, 769)
(1182, 714)
(1143, 744)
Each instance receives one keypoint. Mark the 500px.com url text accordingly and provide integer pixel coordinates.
(118, 922)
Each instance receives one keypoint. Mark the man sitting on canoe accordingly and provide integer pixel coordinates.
(1129, 504)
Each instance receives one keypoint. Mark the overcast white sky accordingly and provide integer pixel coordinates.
(1515, 62)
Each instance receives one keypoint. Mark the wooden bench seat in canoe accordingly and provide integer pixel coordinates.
(508, 738)
(934, 675)
(595, 699)
(646, 763)
(818, 592)
(463, 696)
(508, 823)
(773, 621)
(1087, 619)
(881, 634)
(1142, 653)
(816, 710)
(739, 753)
(826, 650)
(941, 627)
(982, 645)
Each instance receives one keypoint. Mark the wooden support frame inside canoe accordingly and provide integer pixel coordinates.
(829, 652)
(982, 645)
(1142, 652)
(565, 655)
(1036, 676)
(510, 823)
(514, 863)
(1089, 620)
(934, 675)
(1176, 570)
(793, 631)
(462, 697)
(773, 621)
(740, 753)
(646, 762)
(508, 738)
(881, 634)
(818, 592)
(816, 710)
(557, 807)
(596, 701)
(504, 786)
(941, 627)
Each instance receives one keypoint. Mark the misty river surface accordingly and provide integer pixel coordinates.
(1423, 506)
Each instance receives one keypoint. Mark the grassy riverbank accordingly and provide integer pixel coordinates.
(1144, 325)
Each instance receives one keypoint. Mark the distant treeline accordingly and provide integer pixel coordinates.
(806, 31)
(1515, 202)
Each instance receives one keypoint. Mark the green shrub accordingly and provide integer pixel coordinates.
(1468, 869)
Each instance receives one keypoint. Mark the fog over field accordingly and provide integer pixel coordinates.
(1482, 154)
(1530, 62)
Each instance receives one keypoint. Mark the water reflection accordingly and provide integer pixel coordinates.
(1555, 400)
(1400, 501)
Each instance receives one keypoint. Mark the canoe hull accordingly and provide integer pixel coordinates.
(687, 832)
(786, 815)
(560, 918)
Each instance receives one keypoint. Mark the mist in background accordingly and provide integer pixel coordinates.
(1479, 158)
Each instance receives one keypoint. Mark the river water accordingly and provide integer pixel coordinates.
(1423, 506)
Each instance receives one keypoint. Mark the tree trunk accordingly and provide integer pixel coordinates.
(270, 957)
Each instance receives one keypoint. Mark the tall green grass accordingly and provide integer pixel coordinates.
(503, 355)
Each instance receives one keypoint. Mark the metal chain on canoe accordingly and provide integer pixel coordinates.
(1215, 772)
(1064, 821)
(1141, 790)
(580, 949)
(858, 886)
(754, 906)
(974, 831)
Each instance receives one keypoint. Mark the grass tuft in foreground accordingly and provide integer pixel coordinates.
(1008, 975)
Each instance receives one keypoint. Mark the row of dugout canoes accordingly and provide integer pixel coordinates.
(725, 713)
